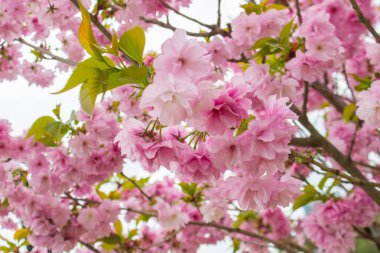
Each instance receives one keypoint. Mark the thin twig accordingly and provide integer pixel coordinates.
(137, 186)
(348, 83)
(364, 20)
(284, 245)
(185, 16)
(298, 8)
(305, 98)
(219, 20)
(44, 51)
(193, 34)
(89, 246)
(309, 160)
(353, 141)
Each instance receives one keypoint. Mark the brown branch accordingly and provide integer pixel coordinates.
(89, 246)
(219, 20)
(298, 8)
(333, 99)
(364, 20)
(310, 160)
(137, 186)
(305, 98)
(185, 16)
(332, 151)
(305, 142)
(193, 34)
(45, 51)
(284, 245)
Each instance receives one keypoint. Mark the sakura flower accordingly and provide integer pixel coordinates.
(369, 105)
(212, 211)
(196, 165)
(303, 67)
(182, 58)
(172, 99)
(171, 217)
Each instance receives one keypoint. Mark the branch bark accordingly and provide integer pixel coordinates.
(364, 20)
(44, 51)
(345, 162)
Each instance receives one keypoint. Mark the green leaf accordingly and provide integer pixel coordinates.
(323, 181)
(38, 128)
(133, 233)
(133, 43)
(86, 36)
(266, 42)
(57, 111)
(142, 217)
(251, 7)
(130, 75)
(108, 247)
(21, 234)
(88, 93)
(56, 130)
(348, 112)
(118, 228)
(309, 195)
(114, 49)
(244, 125)
(112, 239)
(5, 249)
(285, 33)
(84, 70)
(188, 188)
(236, 245)
(364, 245)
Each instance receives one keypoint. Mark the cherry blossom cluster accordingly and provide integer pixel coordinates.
(238, 128)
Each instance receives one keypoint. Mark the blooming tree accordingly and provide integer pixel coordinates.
(252, 120)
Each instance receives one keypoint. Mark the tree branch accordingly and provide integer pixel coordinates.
(185, 16)
(44, 51)
(332, 151)
(364, 20)
(284, 245)
(89, 246)
(137, 186)
(219, 20)
(309, 160)
(333, 99)
(298, 8)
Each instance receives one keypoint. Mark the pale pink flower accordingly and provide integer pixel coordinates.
(171, 217)
(212, 211)
(172, 99)
(304, 67)
(182, 58)
(369, 105)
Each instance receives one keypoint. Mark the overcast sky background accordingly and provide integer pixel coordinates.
(22, 104)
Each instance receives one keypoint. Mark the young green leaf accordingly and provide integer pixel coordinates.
(88, 93)
(133, 43)
(130, 75)
(38, 129)
(348, 112)
(86, 36)
(84, 70)
(285, 33)
(21, 234)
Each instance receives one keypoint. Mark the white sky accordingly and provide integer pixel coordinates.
(22, 104)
